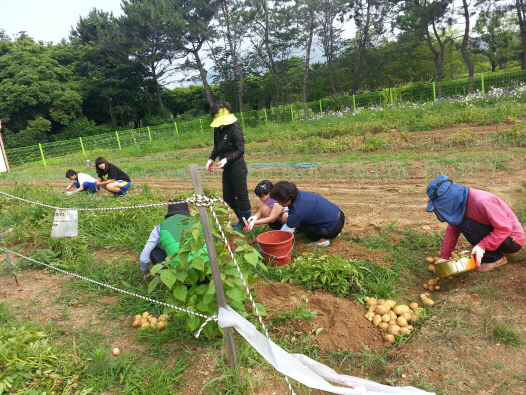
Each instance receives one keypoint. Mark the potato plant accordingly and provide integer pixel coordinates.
(184, 272)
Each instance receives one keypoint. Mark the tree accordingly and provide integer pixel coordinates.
(520, 7)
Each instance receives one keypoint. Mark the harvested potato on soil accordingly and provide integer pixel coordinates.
(426, 300)
(386, 318)
(400, 309)
(383, 325)
(393, 330)
(413, 305)
(371, 301)
(401, 321)
(431, 268)
(430, 260)
(437, 288)
(381, 309)
(377, 319)
(116, 351)
(162, 325)
(389, 338)
(404, 331)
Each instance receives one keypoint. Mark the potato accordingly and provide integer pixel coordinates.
(407, 316)
(153, 321)
(436, 259)
(401, 308)
(413, 305)
(392, 322)
(393, 330)
(426, 300)
(389, 338)
(116, 351)
(370, 318)
(145, 314)
(370, 301)
(391, 303)
(404, 331)
(414, 318)
(377, 319)
(401, 321)
(383, 325)
(386, 318)
(425, 286)
(431, 288)
(410, 327)
(430, 260)
(432, 282)
(138, 317)
(392, 314)
(438, 253)
(136, 323)
(431, 268)
(371, 314)
(372, 308)
(453, 255)
(161, 325)
(365, 315)
(427, 294)
(144, 324)
(437, 288)
(381, 309)
(163, 317)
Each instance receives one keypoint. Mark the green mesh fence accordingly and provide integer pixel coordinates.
(415, 93)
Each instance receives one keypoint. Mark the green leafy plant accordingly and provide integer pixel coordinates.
(29, 364)
(301, 313)
(331, 273)
(184, 272)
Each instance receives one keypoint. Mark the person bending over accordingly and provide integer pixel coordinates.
(81, 181)
(486, 222)
(309, 213)
(271, 213)
(111, 178)
(165, 237)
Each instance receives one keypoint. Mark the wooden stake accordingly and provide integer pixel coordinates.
(212, 256)
(3, 153)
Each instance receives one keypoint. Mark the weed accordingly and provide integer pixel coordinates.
(301, 313)
(506, 333)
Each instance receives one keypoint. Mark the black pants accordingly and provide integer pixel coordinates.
(235, 191)
(158, 255)
(314, 234)
(474, 232)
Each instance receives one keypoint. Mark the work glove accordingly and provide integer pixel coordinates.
(69, 193)
(68, 188)
(250, 223)
(441, 260)
(479, 253)
(220, 164)
(209, 165)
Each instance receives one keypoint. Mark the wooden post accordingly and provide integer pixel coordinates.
(4, 154)
(216, 274)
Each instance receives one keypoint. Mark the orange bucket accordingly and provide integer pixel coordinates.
(276, 247)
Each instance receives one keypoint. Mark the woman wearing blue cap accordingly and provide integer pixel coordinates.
(484, 220)
(229, 145)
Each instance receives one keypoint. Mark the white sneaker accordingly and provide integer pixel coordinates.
(322, 244)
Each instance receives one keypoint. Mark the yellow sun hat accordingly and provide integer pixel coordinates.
(222, 118)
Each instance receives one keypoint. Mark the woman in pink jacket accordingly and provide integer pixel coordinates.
(484, 220)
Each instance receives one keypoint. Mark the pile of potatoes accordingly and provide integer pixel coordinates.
(432, 284)
(149, 321)
(395, 319)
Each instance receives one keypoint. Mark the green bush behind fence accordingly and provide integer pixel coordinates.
(282, 114)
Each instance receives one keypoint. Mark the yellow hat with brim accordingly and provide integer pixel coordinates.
(222, 118)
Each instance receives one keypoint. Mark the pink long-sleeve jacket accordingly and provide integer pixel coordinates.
(488, 209)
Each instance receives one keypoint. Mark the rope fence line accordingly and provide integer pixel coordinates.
(197, 200)
(251, 166)
(208, 318)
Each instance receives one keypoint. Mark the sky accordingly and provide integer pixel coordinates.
(49, 20)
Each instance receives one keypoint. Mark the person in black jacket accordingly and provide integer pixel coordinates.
(111, 178)
(229, 145)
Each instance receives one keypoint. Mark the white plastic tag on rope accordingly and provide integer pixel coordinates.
(303, 369)
(65, 223)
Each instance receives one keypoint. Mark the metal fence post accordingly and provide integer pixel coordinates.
(482, 82)
(391, 95)
(265, 115)
(321, 109)
(242, 120)
(42, 153)
(353, 103)
(201, 125)
(434, 92)
(118, 141)
(149, 134)
(82, 145)
(291, 114)
(176, 131)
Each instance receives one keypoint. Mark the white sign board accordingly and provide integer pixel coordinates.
(65, 224)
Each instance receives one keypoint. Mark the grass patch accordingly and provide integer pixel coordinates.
(506, 333)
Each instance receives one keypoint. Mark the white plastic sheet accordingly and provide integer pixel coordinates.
(303, 369)
(65, 223)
